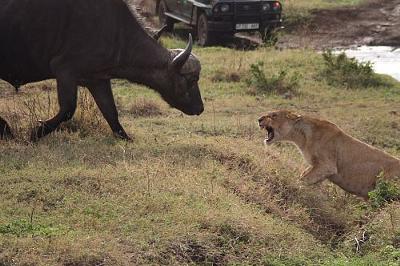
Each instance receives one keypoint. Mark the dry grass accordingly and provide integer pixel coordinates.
(38, 102)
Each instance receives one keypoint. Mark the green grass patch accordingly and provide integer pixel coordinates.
(384, 192)
(23, 227)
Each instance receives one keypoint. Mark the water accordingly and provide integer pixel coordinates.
(385, 59)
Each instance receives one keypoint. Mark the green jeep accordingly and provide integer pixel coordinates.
(215, 18)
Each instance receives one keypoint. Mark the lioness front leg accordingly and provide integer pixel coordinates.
(316, 174)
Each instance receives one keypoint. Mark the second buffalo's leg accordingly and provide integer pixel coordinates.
(103, 96)
(5, 130)
(67, 94)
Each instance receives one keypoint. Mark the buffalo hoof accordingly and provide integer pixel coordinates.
(122, 135)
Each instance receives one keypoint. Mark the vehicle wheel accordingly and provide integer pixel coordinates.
(204, 37)
(164, 19)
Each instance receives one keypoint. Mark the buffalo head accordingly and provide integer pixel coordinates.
(182, 91)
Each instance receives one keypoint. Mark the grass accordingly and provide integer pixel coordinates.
(192, 190)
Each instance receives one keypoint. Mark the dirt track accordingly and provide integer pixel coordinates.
(376, 22)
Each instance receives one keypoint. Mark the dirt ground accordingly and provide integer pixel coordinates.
(376, 22)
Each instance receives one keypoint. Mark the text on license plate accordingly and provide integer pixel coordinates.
(247, 26)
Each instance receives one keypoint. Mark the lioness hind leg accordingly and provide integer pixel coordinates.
(5, 130)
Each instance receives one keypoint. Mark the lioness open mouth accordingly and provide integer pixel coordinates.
(270, 134)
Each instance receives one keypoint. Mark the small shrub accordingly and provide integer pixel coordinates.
(230, 234)
(279, 83)
(391, 252)
(270, 38)
(145, 108)
(348, 72)
(384, 192)
(223, 76)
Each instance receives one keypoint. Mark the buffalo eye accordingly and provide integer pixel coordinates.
(191, 81)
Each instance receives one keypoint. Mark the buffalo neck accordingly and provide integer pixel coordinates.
(142, 60)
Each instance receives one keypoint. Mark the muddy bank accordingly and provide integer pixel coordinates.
(377, 22)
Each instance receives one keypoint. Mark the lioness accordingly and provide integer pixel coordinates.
(332, 154)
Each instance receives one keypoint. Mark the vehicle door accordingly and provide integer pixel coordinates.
(186, 9)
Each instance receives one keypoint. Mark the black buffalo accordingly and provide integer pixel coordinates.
(87, 43)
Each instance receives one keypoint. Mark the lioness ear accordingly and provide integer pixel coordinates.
(293, 116)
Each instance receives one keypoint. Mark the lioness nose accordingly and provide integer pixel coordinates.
(260, 119)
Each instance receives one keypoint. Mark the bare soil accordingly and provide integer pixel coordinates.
(377, 22)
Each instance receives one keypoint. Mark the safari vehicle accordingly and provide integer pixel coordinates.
(213, 19)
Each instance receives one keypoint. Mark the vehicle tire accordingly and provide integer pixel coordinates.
(204, 36)
(164, 19)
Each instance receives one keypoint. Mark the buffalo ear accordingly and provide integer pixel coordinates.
(158, 34)
(183, 56)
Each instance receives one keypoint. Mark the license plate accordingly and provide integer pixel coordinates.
(247, 26)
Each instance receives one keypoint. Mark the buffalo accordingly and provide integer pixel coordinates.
(88, 43)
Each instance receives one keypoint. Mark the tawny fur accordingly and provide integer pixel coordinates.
(332, 154)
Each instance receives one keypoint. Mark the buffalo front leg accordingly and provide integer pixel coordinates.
(67, 94)
(103, 96)
(5, 130)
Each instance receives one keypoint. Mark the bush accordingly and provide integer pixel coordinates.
(384, 192)
(145, 108)
(279, 83)
(345, 71)
(391, 252)
(226, 76)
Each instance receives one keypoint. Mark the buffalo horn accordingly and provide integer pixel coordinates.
(183, 56)
(158, 34)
